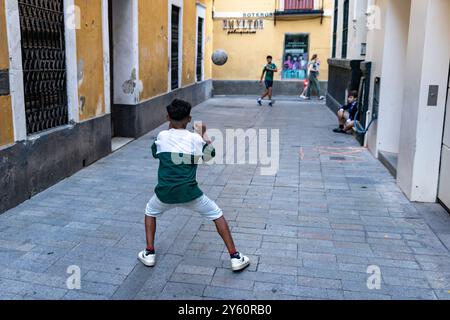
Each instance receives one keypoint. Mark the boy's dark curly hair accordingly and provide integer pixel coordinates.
(179, 110)
(353, 93)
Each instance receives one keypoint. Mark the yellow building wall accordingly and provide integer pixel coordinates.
(153, 47)
(190, 37)
(90, 60)
(247, 53)
(189, 41)
(6, 118)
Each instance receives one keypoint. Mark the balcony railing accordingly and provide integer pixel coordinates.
(298, 5)
(298, 9)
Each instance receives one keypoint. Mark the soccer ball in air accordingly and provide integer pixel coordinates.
(219, 57)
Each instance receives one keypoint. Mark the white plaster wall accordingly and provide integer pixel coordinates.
(357, 29)
(392, 75)
(375, 52)
(71, 60)
(339, 29)
(16, 70)
(422, 126)
(125, 52)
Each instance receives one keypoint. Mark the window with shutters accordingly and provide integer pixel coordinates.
(44, 64)
(200, 49)
(335, 26)
(345, 30)
(175, 63)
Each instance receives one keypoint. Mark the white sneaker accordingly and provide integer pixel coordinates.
(238, 264)
(149, 260)
(322, 98)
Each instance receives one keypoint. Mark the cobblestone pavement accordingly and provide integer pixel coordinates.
(311, 231)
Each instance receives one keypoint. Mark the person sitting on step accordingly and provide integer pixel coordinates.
(347, 114)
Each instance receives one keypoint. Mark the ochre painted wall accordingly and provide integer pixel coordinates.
(189, 41)
(153, 47)
(153, 44)
(90, 60)
(6, 119)
(247, 53)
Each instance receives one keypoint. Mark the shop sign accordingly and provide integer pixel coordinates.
(243, 26)
(243, 15)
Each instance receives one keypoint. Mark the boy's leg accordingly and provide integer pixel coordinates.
(262, 97)
(349, 126)
(154, 209)
(341, 117)
(209, 209)
(150, 231)
(224, 231)
(341, 120)
(265, 94)
(270, 96)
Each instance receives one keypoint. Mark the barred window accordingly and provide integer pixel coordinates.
(44, 64)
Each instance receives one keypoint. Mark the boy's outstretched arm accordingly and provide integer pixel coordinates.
(262, 75)
(209, 152)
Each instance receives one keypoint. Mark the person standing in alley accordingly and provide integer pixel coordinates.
(313, 74)
(179, 152)
(269, 69)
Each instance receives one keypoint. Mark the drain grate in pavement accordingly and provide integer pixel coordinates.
(338, 158)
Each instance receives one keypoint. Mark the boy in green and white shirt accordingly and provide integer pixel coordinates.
(269, 69)
(179, 152)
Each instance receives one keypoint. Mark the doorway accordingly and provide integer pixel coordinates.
(444, 176)
(120, 24)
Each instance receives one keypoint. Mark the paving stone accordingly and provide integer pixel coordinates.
(303, 240)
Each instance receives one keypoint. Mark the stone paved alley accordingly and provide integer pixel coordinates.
(311, 231)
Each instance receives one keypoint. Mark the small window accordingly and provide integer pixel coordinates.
(345, 30)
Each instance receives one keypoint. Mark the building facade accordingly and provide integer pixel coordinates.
(406, 43)
(74, 74)
(289, 30)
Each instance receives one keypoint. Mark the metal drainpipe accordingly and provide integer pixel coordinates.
(323, 6)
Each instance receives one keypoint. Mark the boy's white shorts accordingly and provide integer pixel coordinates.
(203, 205)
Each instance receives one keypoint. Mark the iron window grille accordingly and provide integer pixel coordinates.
(44, 64)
